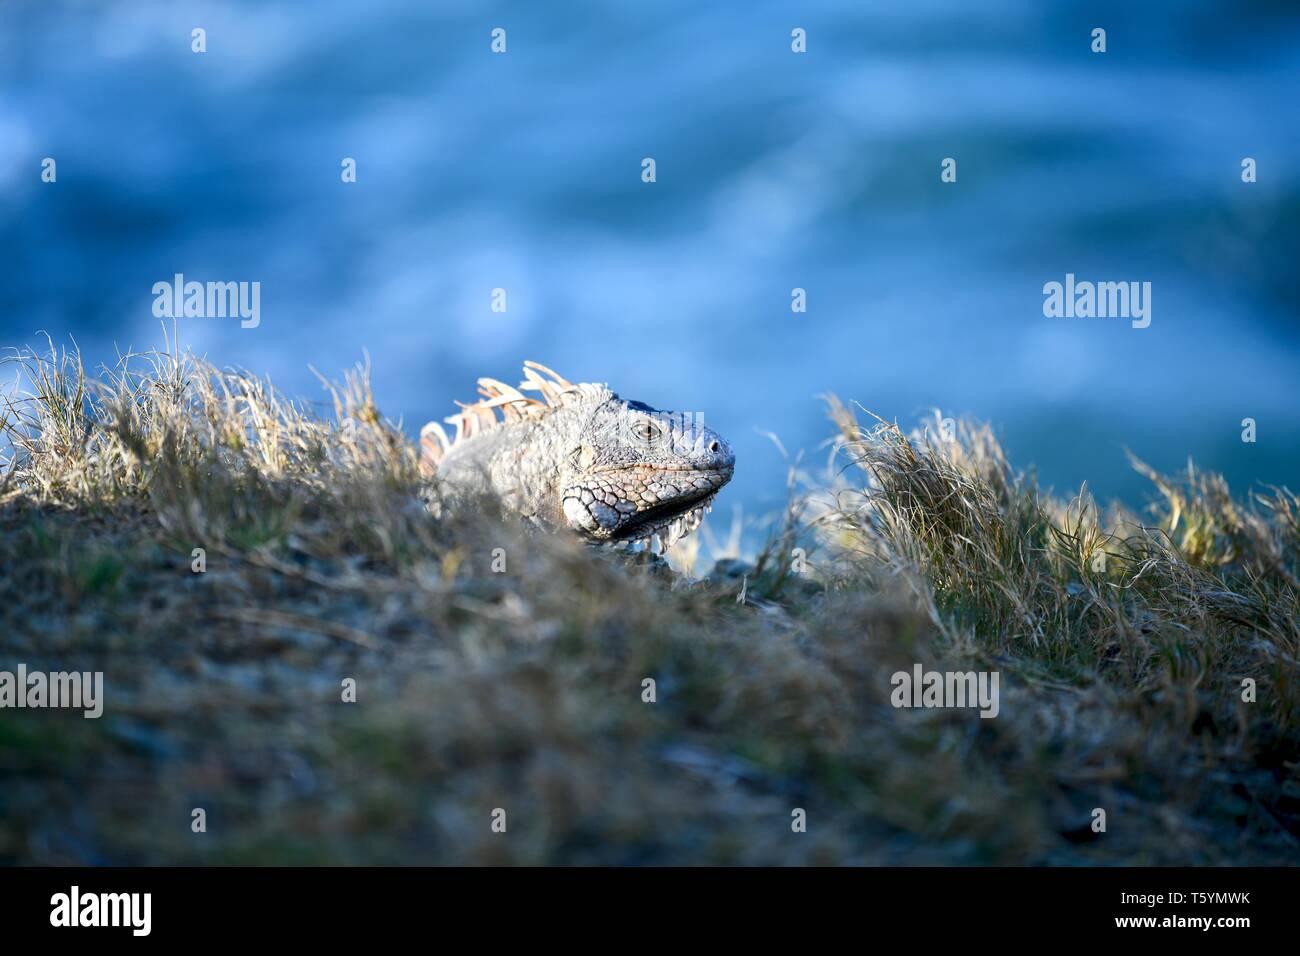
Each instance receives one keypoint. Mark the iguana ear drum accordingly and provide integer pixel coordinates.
(581, 458)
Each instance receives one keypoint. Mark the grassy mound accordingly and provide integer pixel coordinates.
(496, 669)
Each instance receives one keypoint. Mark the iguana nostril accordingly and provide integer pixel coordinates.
(714, 446)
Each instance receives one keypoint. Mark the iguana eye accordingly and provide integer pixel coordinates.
(645, 430)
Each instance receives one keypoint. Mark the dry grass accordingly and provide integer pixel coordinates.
(1121, 679)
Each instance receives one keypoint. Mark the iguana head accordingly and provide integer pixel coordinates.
(610, 469)
(634, 472)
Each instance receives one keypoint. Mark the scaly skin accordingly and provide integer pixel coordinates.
(609, 469)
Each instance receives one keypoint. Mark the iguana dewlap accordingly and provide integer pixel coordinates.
(581, 457)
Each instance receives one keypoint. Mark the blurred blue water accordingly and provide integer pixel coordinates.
(775, 170)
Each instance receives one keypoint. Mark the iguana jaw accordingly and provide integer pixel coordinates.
(637, 503)
(670, 521)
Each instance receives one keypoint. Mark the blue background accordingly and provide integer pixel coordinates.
(775, 170)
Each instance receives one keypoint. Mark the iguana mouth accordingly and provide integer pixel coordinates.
(670, 520)
(677, 513)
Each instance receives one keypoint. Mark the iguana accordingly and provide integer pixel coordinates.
(580, 457)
